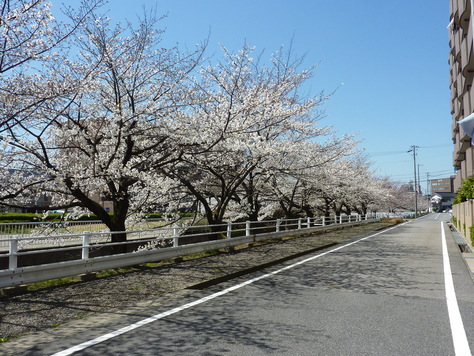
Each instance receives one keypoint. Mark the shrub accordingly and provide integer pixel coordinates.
(466, 192)
(31, 217)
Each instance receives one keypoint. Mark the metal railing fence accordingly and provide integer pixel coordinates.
(43, 228)
(147, 245)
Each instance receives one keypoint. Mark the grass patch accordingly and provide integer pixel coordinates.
(153, 264)
(52, 282)
(392, 220)
(201, 254)
(115, 271)
(74, 279)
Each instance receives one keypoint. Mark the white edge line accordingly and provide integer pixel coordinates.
(461, 345)
(156, 317)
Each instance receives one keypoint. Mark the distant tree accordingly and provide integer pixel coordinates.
(303, 178)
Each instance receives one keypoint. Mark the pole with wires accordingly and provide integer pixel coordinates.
(413, 150)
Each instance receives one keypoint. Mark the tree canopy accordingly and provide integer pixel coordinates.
(94, 112)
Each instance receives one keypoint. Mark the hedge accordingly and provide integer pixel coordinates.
(31, 217)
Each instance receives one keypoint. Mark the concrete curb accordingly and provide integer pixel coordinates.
(227, 277)
(468, 258)
(465, 249)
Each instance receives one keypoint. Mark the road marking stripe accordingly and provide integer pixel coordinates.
(461, 345)
(156, 317)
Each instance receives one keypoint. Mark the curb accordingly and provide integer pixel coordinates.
(468, 258)
(466, 254)
(227, 277)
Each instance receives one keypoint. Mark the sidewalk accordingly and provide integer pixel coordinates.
(468, 258)
(468, 255)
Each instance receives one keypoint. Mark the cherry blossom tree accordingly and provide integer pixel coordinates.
(118, 128)
(298, 180)
(145, 128)
(32, 42)
(248, 114)
(400, 196)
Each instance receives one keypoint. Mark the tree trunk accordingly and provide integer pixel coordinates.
(119, 234)
(117, 225)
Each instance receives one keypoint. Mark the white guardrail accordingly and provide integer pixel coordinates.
(150, 246)
(43, 228)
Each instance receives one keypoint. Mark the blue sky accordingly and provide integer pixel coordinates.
(390, 55)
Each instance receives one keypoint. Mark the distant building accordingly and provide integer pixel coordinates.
(442, 193)
(443, 185)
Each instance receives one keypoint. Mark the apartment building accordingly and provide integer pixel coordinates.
(442, 194)
(461, 63)
(443, 185)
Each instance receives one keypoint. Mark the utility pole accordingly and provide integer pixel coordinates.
(418, 187)
(413, 149)
(428, 193)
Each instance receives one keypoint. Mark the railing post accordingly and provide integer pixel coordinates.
(247, 228)
(278, 223)
(229, 230)
(299, 223)
(175, 236)
(85, 245)
(324, 221)
(12, 251)
(308, 222)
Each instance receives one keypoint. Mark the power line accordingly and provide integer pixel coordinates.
(387, 153)
(437, 146)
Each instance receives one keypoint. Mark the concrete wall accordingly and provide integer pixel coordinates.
(464, 214)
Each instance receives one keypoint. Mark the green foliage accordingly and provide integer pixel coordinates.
(466, 192)
(32, 217)
(17, 217)
(471, 234)
(115, 271)
(51, 283)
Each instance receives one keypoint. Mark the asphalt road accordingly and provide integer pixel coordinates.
(388, 294)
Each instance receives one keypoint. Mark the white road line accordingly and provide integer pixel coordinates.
(461, 345)
(156, 317)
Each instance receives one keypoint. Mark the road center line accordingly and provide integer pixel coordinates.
(156, 317)
(461, 345)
